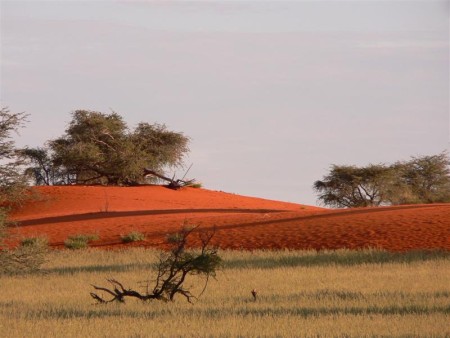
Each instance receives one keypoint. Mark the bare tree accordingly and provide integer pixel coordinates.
(173, 268)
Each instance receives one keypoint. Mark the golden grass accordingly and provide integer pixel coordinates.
(300, 294)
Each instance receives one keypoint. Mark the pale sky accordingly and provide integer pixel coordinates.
(271, 92)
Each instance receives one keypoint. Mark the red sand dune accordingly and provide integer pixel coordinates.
(240, 222)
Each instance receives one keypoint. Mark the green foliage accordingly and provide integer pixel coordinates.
(427, 178)
(12, 182)
(99, 148)
(160, 146)
(204, 262)
(421, 180)
(79, 241)
(134, 236)
(28, 257)
(3, 230)
(41, 167)
(350, 186)
(13, 185)
(24, 259)
(34, 242)
(175, 265)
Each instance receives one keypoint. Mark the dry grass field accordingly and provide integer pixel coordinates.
(301, 294)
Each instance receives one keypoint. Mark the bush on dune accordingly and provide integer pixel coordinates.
(134, 236)
(79, 241)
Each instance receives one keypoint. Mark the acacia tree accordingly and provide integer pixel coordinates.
(350, 186)
(100, 148)
(423, 179)
(161, 147)
(12, 192)
(12, 181)
(173, 269)
(41, 167)
(428, 178)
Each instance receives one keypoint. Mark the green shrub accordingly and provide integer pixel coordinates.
(197, 185)
(133, 237)
(27, 257)
(34, 242)
(79, 241)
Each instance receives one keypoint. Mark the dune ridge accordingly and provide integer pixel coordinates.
(240, 222)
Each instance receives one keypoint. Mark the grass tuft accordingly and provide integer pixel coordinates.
(79, 241)
(34, 242)
(134, 236)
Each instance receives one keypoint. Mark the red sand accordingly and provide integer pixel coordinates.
(240, 222)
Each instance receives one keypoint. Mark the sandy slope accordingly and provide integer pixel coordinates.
(241, 222)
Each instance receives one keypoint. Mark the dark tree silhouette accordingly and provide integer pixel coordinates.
(173, 269)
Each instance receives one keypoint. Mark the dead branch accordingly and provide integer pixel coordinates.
(173, 183)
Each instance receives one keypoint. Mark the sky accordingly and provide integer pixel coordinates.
(271, 93)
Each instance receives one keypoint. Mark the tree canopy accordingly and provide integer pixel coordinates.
(350, 186)
(12, 187)
(100, 148)
(12, 181)
(427, 178)
(424, 179)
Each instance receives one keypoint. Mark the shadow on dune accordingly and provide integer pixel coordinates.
(136, 213)
(330, 214)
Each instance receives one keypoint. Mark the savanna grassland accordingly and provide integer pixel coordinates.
(300, 293)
